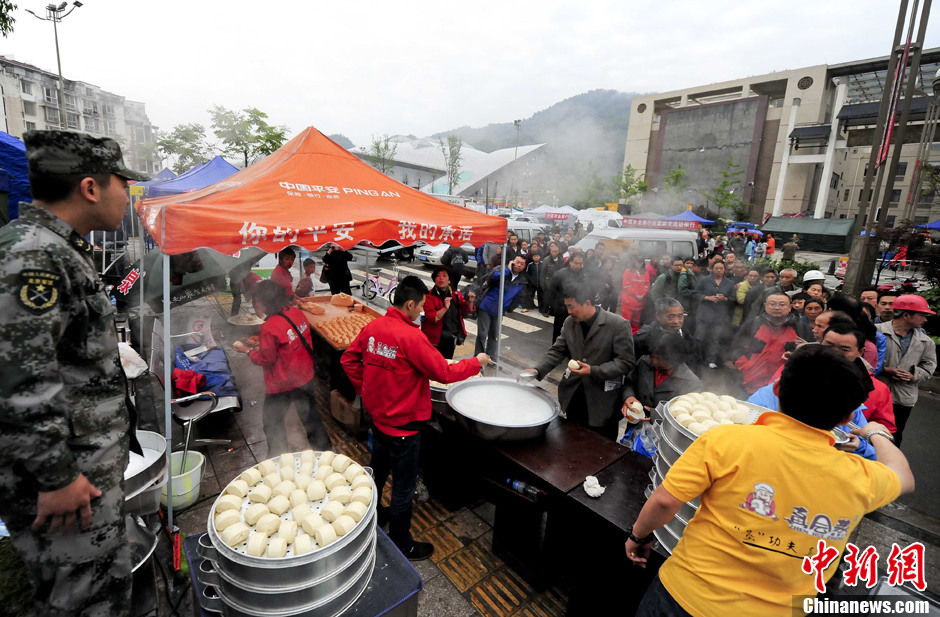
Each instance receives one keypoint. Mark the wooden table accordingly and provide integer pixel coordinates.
(565, 456)
(331, 311)
(625, 481)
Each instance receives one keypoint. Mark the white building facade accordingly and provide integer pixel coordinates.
(31, 101)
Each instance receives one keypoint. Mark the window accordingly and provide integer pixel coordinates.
(26, 87)
(895, 196)
(108, 111)
(30, 126)
(50, 95)
(52, 115)
(71, 102)
(29, 108)
(110, 127)
(89, 92)
(72, 121)
(926, 195)
(90, 108)
(845, 197)
(92, 125)
(890, 221)
(901, 172)
(834, 183)
(921, 220)
(683, 249)
(841, 216)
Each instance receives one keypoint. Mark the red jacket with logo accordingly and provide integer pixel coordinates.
(434, 304)
(286, 362)
(390, 363)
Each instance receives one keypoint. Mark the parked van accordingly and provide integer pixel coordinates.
(525, 230)
(652, 242)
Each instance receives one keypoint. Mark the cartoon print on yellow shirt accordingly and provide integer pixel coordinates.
(761, 501)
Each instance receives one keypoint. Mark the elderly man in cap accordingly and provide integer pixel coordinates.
(65, 424)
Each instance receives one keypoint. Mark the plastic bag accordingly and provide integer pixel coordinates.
(642, 439)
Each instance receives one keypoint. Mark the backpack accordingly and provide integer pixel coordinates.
(458, 259)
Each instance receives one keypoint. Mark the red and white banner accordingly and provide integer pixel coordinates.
(659, 223)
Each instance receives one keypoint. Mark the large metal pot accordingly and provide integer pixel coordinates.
(141, 540)
(496, 431)
(323, 582)
(151, 468)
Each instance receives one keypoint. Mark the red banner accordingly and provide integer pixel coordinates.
(556, 216)
(660, 223)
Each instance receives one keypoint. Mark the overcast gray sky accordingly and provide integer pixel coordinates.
(364, 68)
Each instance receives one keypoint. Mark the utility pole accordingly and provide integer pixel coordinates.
(865, 247)
(54, 14)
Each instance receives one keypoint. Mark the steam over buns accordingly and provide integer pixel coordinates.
(702, 411)
(272, 510)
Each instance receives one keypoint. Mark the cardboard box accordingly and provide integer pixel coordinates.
(346, 412)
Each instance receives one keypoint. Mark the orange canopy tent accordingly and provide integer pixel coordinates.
(310, 192)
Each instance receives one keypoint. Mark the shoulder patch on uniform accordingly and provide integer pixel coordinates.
(39, 290)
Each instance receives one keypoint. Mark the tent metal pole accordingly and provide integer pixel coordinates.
(140, 282)
(167, 388)
(499, 310)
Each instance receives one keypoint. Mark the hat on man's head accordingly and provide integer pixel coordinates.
(68, 152)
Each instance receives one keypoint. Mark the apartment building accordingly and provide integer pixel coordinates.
(801, 138)
(31, 101)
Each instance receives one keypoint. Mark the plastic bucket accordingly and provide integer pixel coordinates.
(185, 483)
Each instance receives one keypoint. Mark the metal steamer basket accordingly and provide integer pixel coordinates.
(322, 583)
(494, 431)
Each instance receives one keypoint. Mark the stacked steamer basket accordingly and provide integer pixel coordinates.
(293, 535)
(682, 420)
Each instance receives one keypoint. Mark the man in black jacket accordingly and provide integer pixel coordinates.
(566, 277)
(670, 317)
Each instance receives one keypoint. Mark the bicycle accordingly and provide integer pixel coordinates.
(372, 286)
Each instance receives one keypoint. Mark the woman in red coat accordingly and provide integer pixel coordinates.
(285, 355)
(444, 308)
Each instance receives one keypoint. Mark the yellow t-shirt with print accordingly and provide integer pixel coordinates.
(769, 492)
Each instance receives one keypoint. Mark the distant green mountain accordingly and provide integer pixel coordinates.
(342, 140)
(585, 134)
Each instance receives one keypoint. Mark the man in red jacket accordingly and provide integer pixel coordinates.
(389, 364)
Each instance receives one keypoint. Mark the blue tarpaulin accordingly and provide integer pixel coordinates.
(200, 176)
(688, 215)
(13, 162)
(163, 176)
(934, 226)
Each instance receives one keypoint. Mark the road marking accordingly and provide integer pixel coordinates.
(472, 329)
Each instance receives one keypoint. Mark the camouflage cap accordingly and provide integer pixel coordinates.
(68, 152)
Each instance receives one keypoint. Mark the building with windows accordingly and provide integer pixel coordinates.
(509, 174)
(798, 140)
(31, 101)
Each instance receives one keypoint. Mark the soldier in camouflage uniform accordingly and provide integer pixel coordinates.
(64, 423)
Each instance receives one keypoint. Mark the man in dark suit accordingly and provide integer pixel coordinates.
(670, 317)
(601, 344)
(660, 376)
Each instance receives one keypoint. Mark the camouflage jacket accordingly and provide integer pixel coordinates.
(62, 390)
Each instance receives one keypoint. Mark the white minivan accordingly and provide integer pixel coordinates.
(652, 242)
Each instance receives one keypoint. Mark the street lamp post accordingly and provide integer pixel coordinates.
(55, 15)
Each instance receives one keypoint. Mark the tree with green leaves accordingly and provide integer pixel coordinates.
(727, 195)
(186, 143)
(451, 151)
(382, 153)
(630, 183)
(675, 179)
(6, 17)
(246, 132)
